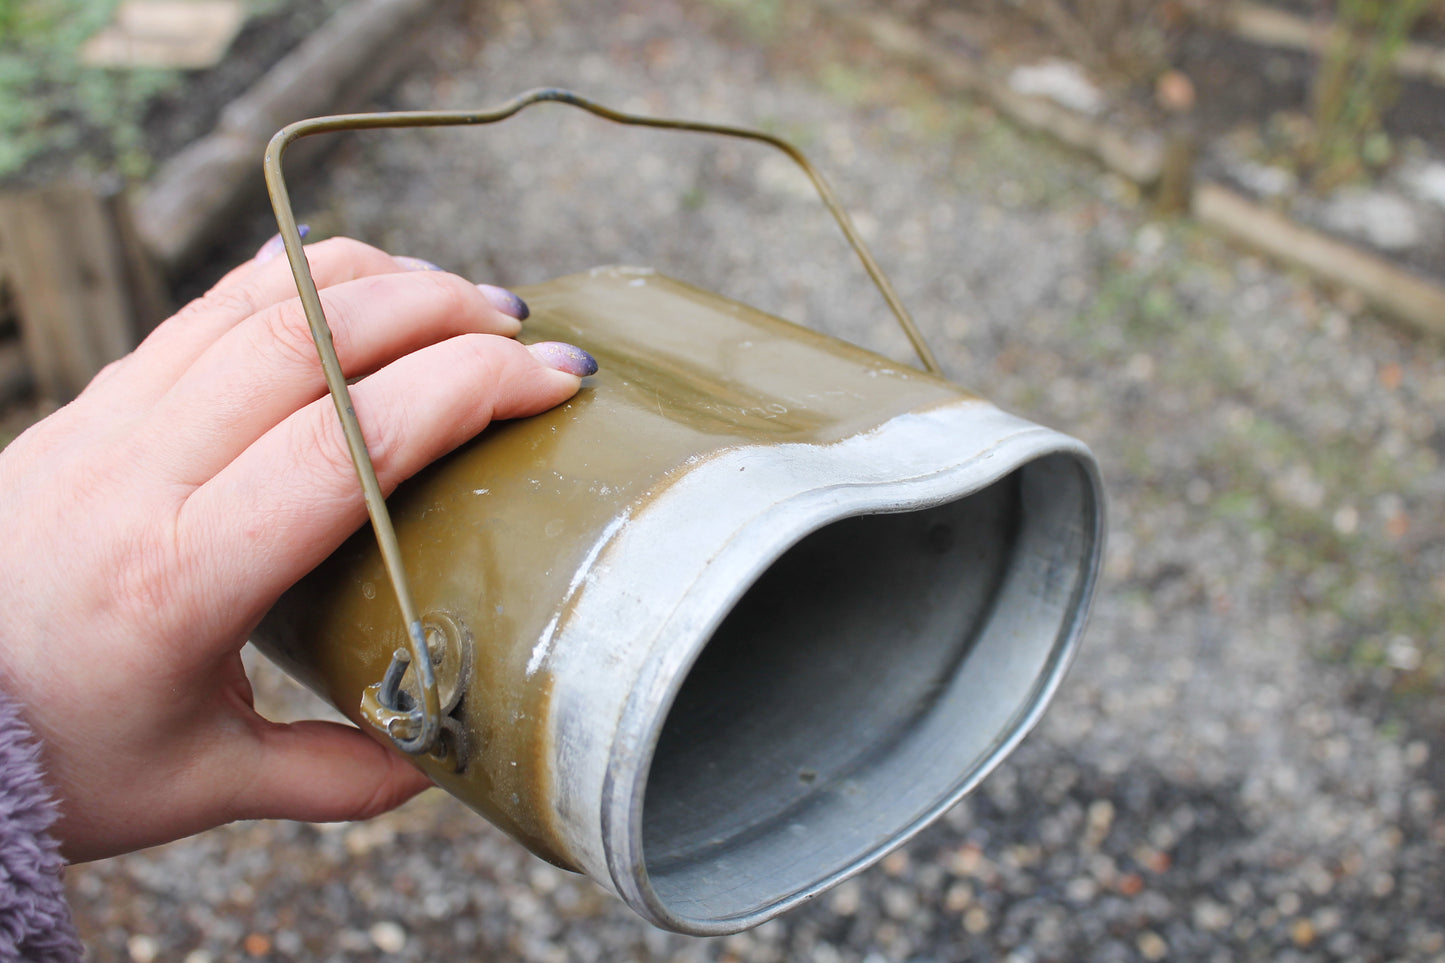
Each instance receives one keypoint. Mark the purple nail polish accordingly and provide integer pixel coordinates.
(505, 301)
(565, 357)
(415, 263)
(275, 245)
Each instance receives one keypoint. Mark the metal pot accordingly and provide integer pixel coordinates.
(744, 615)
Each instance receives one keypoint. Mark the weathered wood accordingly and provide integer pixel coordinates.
(166, 34)
(1138, 157)
(68, 279)
(15, 379)
(1393, 291)
(194, 197)
(146, 290)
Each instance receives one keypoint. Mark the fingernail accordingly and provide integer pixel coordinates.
(505, 301)
(565, 357)
(416, 263)
(275, 246)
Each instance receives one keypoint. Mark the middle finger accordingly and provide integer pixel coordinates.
(266, 368)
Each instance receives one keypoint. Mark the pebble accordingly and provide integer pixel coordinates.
(388, 936)
(1152, 946)
(846, 898)
(1061, 81)
(1211, 916)
(142, 949)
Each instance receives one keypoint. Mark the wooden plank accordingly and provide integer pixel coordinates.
(193, 198)
(166, 34)
(69, 285)
(146, 290)
(14, 372)
(1393, 291)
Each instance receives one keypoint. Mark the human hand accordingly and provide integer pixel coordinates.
(149, 525)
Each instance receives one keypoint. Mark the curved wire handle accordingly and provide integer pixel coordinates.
(415, 729)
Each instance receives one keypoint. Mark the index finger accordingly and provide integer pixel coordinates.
(136, 381)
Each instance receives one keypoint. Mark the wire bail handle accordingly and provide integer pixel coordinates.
(416, 728)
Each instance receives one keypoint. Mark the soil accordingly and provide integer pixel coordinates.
(188, 112)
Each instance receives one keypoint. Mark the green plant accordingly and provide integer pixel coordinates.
(1355, 85)
(51, 102)
(761, 18)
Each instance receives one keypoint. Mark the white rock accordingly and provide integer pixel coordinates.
(389, 937)
(1426, 181)
(1265, 180)
(1061, 81)
(1385, 220)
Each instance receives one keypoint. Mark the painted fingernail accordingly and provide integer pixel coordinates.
(565, 357)
(275, 246)
(505, 301)
(415, 263)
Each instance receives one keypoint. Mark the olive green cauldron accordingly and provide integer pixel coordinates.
(745, 614)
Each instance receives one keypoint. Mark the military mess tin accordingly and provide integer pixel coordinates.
(744, 615)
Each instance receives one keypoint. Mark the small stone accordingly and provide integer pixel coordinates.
(1384, 220)
(1175, 92)
(968, 860)
(976, 920)
(1327, 919)
(1130, 884)
(1061, 81)
(1152, 946)
(1156, 861)
(895, 864)
(1211, 916)
(1302, 932)
(1100, 817)
(353, 941)
(1397, 526)
(256, 944)
(1081, 890)
(142, 949)
(1427, 182)
(199, 956)
(846, 899)
(958, 898)
(900, 903)
(389, 937)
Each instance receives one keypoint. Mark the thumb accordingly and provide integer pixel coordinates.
(325, 772)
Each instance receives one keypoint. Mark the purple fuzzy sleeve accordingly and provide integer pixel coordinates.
(34, 918)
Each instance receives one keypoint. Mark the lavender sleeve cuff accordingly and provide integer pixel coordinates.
(35, 922)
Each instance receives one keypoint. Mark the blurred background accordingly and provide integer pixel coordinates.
(1208, 238)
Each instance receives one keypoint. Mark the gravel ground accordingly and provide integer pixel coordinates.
(1245, 762)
